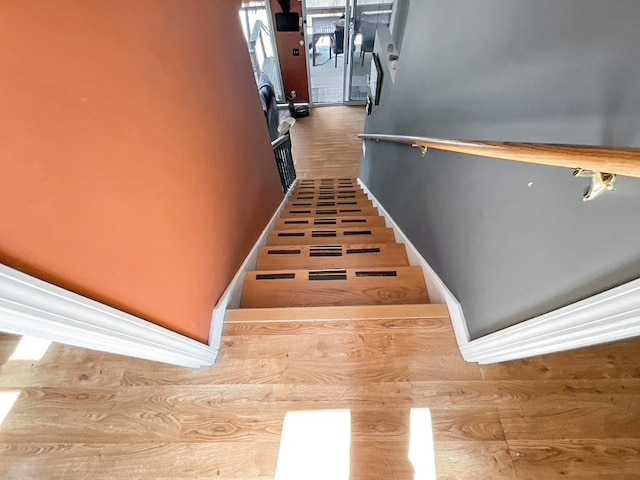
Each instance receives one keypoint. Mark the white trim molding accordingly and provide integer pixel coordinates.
(30, 306)
(606, 317)
(230, 299)
(437, 290)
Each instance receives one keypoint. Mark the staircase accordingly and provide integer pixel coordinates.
(332, 256)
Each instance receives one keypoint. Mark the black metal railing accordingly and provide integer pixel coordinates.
(284, 160)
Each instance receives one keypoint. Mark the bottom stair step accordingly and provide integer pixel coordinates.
(312, 288)
(407, 313)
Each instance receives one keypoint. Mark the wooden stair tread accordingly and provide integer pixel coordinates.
(340, 256)
(346, 313)
(330, 222)
(331, 236)
(365, 286)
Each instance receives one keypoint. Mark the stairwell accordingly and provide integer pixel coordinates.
(332, 256)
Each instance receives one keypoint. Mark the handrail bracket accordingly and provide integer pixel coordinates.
(422, 148)
(600, 183)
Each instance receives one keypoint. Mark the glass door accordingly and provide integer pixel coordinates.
(365, 17)
(257, 26)
(325, 29)
(340, 36)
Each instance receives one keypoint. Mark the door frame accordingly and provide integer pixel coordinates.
(303, 3)
(350, 5)
(308, 60)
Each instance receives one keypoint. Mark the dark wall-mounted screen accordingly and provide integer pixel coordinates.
(287, 22)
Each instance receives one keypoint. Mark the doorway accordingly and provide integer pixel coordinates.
(340, 36)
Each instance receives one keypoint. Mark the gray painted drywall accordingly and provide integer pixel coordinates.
(512, 241)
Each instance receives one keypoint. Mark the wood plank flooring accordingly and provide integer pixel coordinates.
(325, 144)
(83, 414)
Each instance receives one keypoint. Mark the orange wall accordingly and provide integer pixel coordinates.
(135, 165)
(294, 69)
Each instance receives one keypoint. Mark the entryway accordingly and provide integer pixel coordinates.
(339, 40)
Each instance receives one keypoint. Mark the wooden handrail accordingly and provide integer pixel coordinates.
(618, 161)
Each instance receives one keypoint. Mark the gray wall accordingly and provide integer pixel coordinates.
(513, 241)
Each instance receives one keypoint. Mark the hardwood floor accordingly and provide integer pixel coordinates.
(325, 144)
(83, 414)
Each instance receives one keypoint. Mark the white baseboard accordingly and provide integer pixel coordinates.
(30, 306)
(607, 317)
(438, 291)
(232, 295)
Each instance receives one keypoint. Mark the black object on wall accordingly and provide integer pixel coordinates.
(287, 22)
(285, 5)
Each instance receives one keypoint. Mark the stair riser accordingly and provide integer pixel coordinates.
(328, 212)
(324, 188)
(407, 287)
(331, 237)
(329, 191)
(330, 222)
(348, 203)
(318, 258)
(320, 197)
(327, 181)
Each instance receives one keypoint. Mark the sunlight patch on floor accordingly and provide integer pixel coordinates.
(315, 445)
(7, 400)
(421, 447)
(30, 348)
